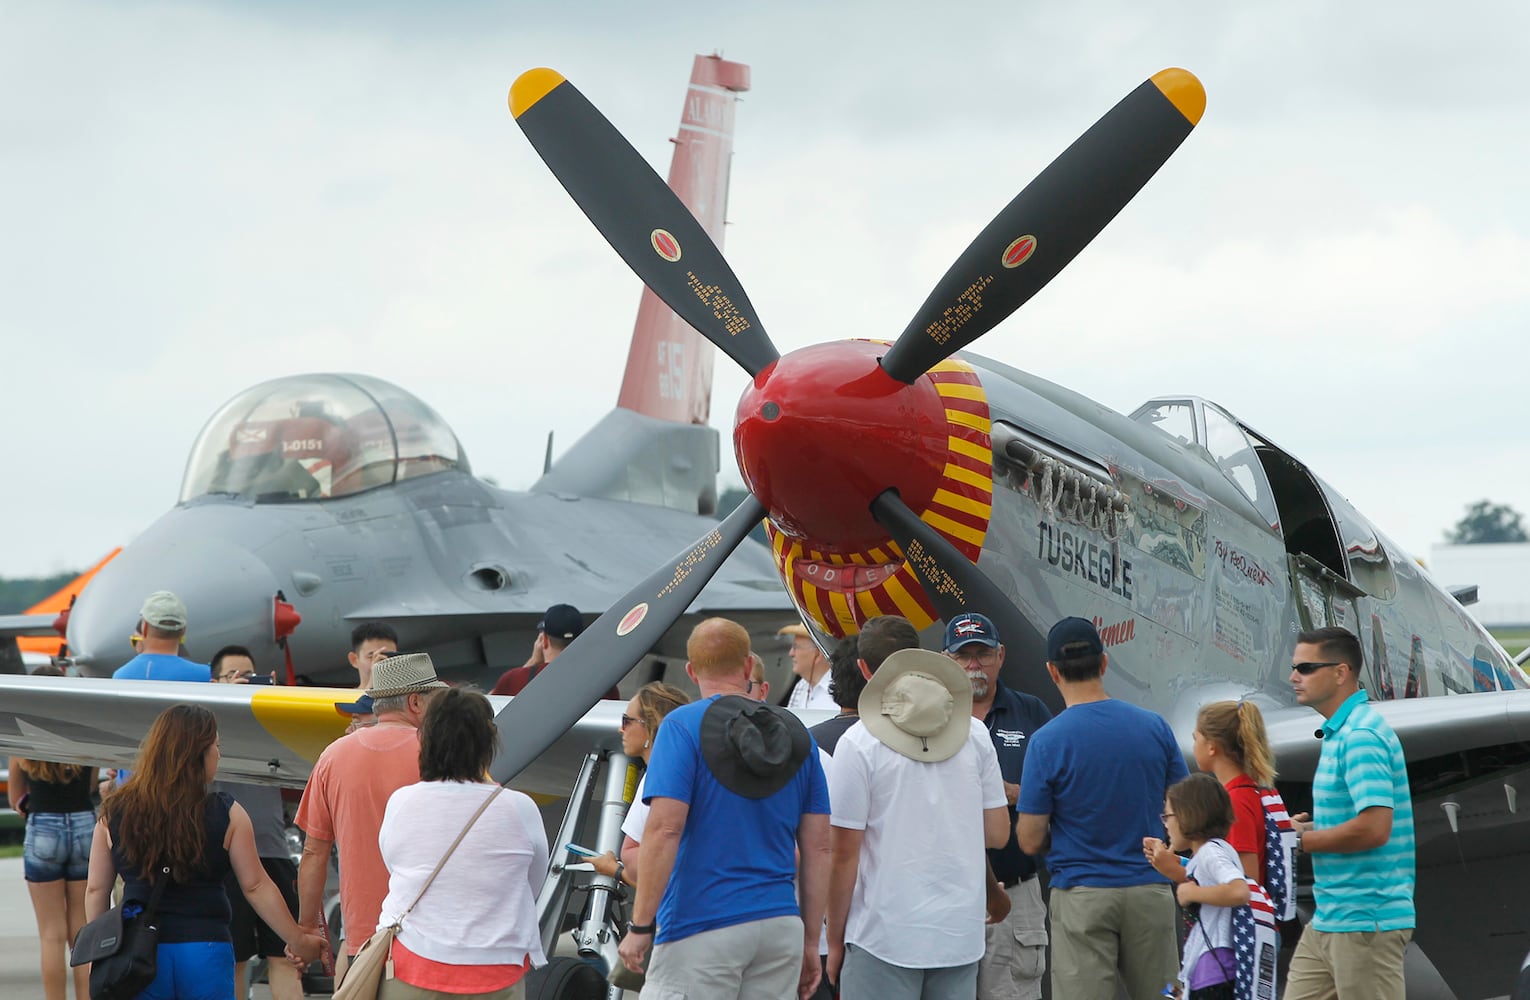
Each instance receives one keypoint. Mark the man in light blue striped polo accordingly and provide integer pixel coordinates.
(1360, 835)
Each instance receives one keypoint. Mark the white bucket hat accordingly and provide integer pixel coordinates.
(919, 703)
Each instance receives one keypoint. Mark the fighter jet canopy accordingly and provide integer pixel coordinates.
(313, 437)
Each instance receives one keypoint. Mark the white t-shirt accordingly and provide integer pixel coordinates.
(1216, 863)
(482, 908)
(637, 813)
(919, 897)
(805, 695)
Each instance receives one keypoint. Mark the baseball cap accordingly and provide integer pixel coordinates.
(562, 621)
(970, 627)
(163, 609)
(1072, 632)
(361, 706)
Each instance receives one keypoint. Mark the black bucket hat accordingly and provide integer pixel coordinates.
(752, 748)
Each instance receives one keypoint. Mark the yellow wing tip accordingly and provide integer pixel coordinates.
(530, 87)
(1184, 91)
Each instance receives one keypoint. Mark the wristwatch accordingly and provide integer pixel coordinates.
(619, 869)
(640, 928)
(1299, 848)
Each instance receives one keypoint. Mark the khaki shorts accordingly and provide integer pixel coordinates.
(1015, 948)
(1350, 965)
(1099, 932)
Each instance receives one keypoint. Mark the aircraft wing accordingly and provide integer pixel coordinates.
(19, 625)
(269, 735)
(1427, 727)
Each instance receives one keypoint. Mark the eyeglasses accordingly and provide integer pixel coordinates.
(1165, 817)
(628, 720)
(239, 675)
(1311, 668)
(983, 654)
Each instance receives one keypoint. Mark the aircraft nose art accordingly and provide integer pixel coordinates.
(840, 590)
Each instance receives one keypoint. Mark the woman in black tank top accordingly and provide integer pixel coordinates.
(164, 815)
(55, 799)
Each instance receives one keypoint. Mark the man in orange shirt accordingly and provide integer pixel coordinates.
(348, 791)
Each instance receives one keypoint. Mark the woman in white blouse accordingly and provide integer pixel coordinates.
(639, 724)
(474, 931)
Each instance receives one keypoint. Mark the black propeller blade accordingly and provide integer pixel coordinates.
(604, 653)
(1049, 222)
(639, 215)
(956, 585)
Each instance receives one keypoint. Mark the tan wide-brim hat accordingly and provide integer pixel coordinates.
(795, 631)
(406, 674)
(919, 703)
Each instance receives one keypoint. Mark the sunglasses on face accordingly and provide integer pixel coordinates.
(628, 720)
(1311, 668)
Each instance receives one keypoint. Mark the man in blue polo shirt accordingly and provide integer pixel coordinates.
(1095, 778)
(1360, 835)
(1015, 949)
(735, 792)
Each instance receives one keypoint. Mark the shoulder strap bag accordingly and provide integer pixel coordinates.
(374, 962)
(123, 952)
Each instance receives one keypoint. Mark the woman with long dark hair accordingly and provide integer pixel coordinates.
(164, 816)
(56, 801)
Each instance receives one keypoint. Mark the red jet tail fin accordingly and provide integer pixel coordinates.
(669, 365)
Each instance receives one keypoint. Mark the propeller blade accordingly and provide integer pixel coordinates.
(955, 585)
(639, 215)
(1049, 222)
(605, 652)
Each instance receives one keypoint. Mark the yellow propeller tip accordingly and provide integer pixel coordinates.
(1184, 91)
(530, 87)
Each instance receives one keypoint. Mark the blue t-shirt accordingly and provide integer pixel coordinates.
(1100, 770)
(737, 860)
(162, 667)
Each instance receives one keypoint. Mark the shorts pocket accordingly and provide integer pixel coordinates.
(44, 843)
(1030, 952)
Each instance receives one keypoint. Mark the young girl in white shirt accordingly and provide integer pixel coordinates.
(1197, 815)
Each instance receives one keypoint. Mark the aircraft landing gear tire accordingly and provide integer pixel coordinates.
(565, 978)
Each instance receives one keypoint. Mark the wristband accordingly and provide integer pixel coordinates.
(619, 869)
(640, 928)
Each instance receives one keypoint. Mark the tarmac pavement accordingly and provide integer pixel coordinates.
(19, 975)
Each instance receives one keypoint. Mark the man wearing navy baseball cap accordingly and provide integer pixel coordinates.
(561, 625)
(1095, 779)
(1014, 954)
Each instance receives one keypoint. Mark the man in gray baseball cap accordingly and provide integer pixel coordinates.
(161, 631)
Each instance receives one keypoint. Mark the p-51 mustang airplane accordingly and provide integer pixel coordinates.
(913, 479)
(315, 502)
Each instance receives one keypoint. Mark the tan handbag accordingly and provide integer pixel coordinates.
(374, 962)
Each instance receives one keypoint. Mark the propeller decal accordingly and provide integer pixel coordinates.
(840, 591)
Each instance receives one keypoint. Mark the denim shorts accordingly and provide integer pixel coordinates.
(58, 846)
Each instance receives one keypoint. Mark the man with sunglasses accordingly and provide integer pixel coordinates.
(1015, 948)
(1360, 835)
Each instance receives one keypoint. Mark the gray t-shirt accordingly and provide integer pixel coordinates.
(264, 804)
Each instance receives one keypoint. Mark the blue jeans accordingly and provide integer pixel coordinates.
(194, 970)
(57, 846)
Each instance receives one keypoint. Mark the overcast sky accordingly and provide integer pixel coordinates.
(198, 197)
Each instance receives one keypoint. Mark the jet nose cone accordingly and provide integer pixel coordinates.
(227, 592)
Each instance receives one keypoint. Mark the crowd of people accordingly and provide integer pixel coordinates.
(896, 850)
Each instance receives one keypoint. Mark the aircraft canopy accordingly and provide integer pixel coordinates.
(313, 437)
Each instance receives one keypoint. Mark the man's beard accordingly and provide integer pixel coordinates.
(980, 685)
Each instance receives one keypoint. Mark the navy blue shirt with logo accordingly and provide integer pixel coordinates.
(1012, 721)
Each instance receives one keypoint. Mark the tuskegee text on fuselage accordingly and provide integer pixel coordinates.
(1073, 553)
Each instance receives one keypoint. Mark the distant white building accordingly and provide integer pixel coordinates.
(1502, 576)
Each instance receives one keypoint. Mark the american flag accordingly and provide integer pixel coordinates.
(1279, 854)
(1254, 939)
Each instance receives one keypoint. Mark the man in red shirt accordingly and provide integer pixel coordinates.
(559, 627)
